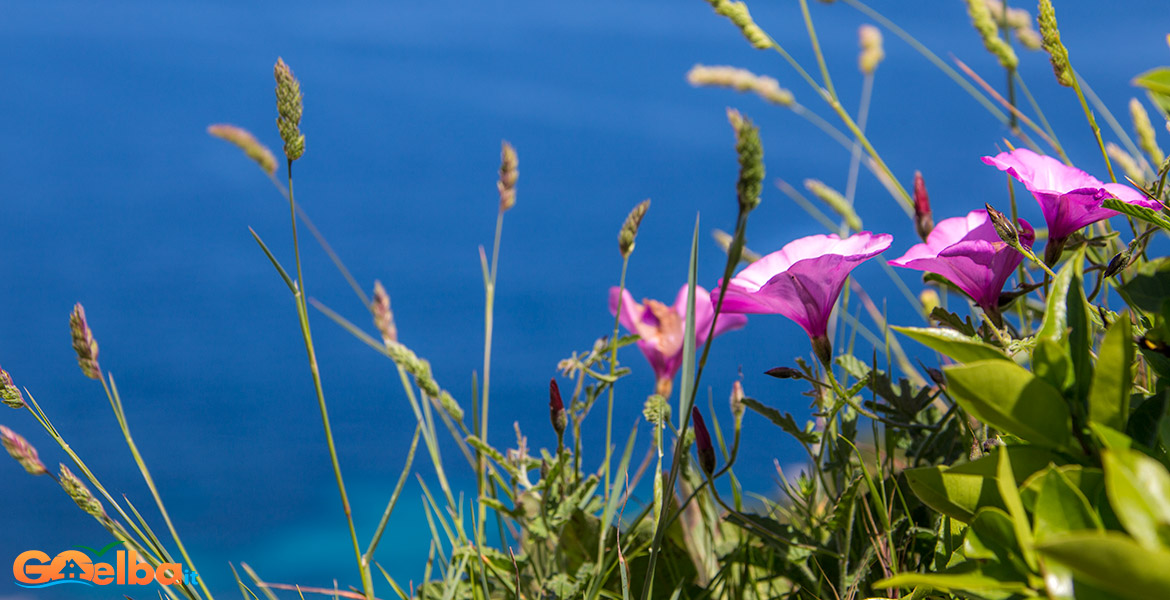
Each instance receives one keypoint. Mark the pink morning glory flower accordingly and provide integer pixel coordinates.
(969, 253)
(1069, 197)
(802, 281)
(661, 328)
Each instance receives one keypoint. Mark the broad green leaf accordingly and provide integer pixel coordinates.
(1061, 507)
(952, 343)
(1139, 492)
(1009, 397)
(1147, 419)
(1112, 562)
(993, 536)
(967, 576)
(1052, 363)
(1006, 481)
(1089, 481)
(1142, 213)
(1055, 325)
(960, 491)
(1151, 286)
(1110, 438)
(1112, 378)
(1155, 80)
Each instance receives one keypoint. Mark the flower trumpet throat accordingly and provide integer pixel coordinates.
(661, 328)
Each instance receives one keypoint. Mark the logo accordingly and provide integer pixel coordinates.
(36, 569)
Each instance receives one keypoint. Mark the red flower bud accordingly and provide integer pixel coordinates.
(703, 442)
(556, 408)
(923, 219)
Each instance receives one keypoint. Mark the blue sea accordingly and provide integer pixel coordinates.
(113, 195)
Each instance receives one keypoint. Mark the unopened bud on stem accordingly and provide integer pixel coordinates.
(703, 445)
(872, 52)
(923, 218)
(1004, 228)
(556, 410)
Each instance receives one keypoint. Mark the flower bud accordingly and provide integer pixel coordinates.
(656, 410)
(629, 231)
(556, 409)
(923, 219)
(23, 452)
(738, 13)
(509, 173)
(84, 343)
(1004, 227)
(784, 373)
(9, 393)
(703, 445)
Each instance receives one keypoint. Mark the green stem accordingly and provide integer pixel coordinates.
(488, 321)
(116, 403)
(307, 335)
(617, 319)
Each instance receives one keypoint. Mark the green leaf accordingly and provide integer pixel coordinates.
(1055, 325)
(1112, 379)
(967, 576)
(1147, 419)
(1061, 507)
(952, 343)
(1089, 481)
(960, 491)
(1155, 80)
(688, 356)
(1052, 363)
(783, 420)
(1142, 213)
(1112, 562)
(1009, 397)
(1150, 287)
(1006, 481)
(1139, 492)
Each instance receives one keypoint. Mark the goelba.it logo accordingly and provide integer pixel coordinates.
(36, 569)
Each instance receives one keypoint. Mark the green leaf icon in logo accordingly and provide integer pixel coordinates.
(98, 553)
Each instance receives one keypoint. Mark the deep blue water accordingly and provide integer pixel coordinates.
(113, 195)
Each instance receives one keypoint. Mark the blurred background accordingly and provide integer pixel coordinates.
(114, 195)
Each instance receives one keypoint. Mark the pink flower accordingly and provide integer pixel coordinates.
(661, 328)
(802, 280)
(1069, 197)
(970, 254)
